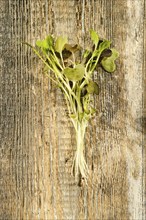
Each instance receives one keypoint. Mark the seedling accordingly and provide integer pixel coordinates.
(71, 68)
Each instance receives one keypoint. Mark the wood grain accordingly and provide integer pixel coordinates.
(36, 137)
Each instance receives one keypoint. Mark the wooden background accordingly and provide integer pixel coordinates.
(37, 139)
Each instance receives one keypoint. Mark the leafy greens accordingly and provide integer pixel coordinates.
(73, 76)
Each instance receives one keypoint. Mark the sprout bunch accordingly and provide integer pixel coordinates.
(71, 69)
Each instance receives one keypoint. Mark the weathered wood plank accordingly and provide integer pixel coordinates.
(37, 139)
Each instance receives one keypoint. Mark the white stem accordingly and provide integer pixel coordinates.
(79, 165)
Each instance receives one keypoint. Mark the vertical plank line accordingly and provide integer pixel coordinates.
(144, 116)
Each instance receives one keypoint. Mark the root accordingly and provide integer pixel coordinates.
(79, 164)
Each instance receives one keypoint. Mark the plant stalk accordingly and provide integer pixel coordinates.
(79, 164)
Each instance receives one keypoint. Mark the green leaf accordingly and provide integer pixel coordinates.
(71, 48)
(108, 63)
(60, 43)
(75, 74)
(94, 37)
(50, 41)
(104, 45)
(115, 53)
(66, 54)
(92, 87)
(46, 44)
(39, 43)
(106, 53)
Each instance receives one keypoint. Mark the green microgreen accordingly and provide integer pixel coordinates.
(73, 75)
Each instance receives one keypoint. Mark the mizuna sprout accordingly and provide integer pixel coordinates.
(71, 68)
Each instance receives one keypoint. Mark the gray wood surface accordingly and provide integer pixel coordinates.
(37, 140)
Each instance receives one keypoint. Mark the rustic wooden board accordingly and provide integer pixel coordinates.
(37, 139)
